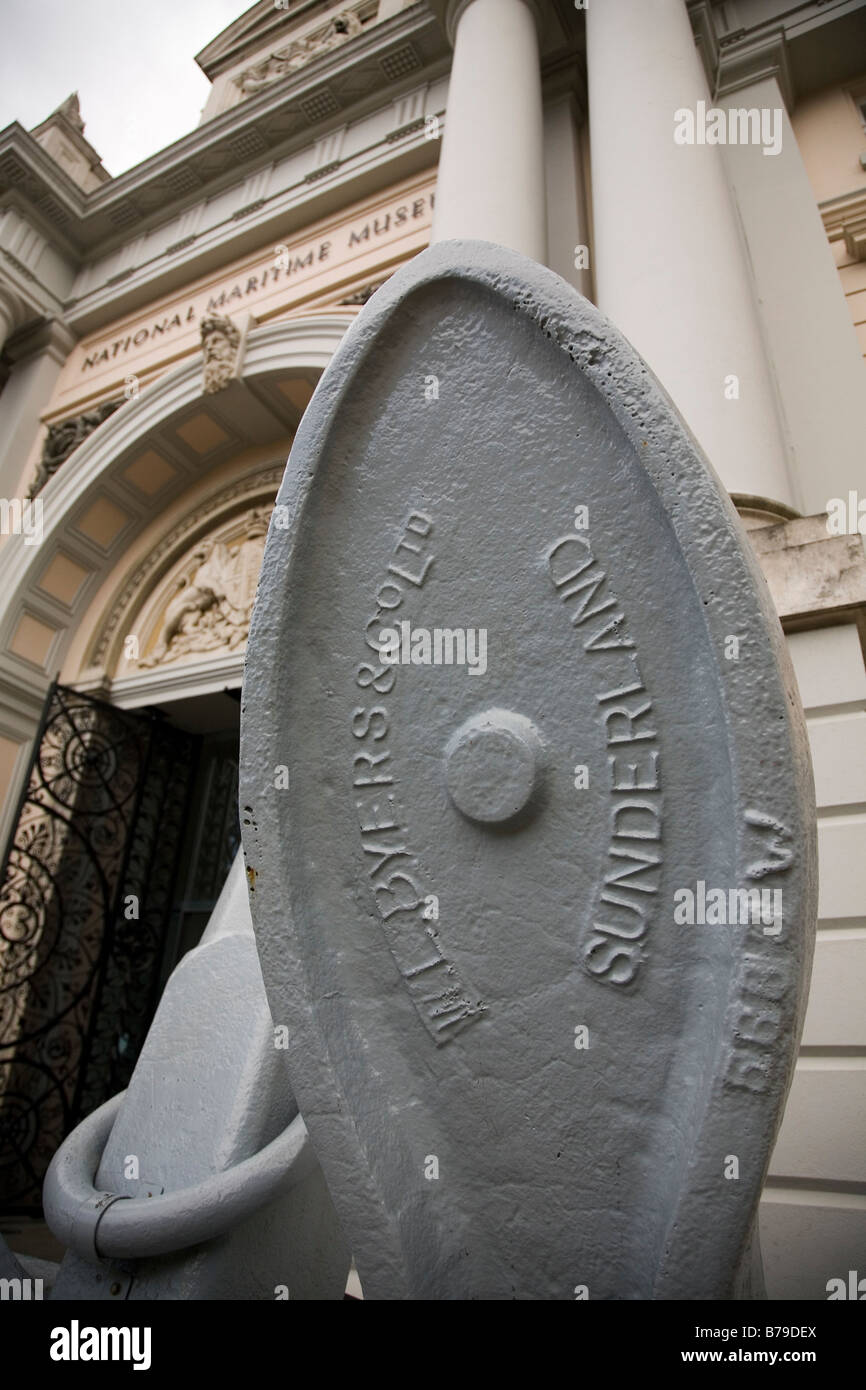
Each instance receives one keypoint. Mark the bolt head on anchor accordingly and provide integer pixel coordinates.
(493, 766)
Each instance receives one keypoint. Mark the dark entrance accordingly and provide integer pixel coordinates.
(212, 839)
(123, 838)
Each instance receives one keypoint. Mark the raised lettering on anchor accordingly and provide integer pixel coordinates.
(444, 1002)
(755, 1015)
(612, 944)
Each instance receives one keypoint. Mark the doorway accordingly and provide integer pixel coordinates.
(213, 836)
(125, 832)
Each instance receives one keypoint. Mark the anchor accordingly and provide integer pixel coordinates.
(433, 1112)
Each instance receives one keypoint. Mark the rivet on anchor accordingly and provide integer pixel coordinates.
(493, 766)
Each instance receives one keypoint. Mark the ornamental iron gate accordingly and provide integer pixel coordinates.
(85, 893)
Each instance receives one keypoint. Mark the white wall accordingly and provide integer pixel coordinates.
(813, 1212)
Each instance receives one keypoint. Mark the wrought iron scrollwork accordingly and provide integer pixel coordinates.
(84, 895)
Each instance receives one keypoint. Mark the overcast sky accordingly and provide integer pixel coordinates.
(132, 64)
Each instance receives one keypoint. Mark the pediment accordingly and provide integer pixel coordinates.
(258, 26)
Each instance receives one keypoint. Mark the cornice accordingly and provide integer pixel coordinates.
(752, 58)
(739, 58)
(360, 179)
(292, 112)
(51, 337)
(30, 176)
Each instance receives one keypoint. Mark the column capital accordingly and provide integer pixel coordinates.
(738, 59)
(453, 11)
(51, 336)
(746, 60)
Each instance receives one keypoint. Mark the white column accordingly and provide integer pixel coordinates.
(491, 169)
(811, 339)
(670, 268)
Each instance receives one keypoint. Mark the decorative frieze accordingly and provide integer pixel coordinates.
(295, 55)
(64, 438)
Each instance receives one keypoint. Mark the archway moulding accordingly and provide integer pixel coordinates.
(94, 472)
(300, 346)
(144, 591)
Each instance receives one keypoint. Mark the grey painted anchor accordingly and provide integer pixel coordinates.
(522, 1077)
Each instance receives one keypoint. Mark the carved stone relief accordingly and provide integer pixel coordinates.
(126, 613)
(62, 439)
(299, 52)
(210, 599)
(220, 341)
(366, 292)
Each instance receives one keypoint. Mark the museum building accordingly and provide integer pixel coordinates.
(697, 168)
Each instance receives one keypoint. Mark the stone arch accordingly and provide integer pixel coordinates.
(158, 459)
